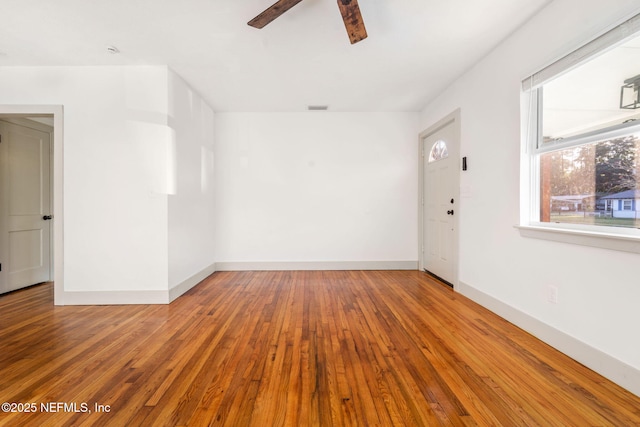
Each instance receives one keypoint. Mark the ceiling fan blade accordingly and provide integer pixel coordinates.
(271, 13)
(352, 20)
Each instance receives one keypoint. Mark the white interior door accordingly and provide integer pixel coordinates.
(26, 206)
(440, 166)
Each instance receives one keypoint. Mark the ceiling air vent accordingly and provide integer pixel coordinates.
(317, 107)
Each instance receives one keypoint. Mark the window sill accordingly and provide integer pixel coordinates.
(629, 242)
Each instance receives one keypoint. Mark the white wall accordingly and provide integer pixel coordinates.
(110, 211)
(192, 201)
(124, 157)
(598, 289)
(316, 187)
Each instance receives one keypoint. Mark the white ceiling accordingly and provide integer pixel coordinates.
(414, 50)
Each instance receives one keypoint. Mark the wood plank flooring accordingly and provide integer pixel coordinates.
(324, 348)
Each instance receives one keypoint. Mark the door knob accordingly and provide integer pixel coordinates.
(47, 217)
(450, 212)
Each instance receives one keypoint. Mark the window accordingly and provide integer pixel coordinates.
(439, 151)
(583, 136)
(578, 183)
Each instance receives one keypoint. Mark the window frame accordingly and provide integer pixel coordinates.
(532, 97)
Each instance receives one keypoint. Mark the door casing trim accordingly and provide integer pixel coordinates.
(57, 176)
(452, 118)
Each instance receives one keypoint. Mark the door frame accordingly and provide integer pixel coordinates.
(454, 119)
(57, 175)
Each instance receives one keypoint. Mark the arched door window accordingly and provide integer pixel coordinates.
(438, 151)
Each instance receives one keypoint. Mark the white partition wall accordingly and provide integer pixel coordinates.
(119, 167)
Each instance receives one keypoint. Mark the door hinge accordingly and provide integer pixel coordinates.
(0, 266)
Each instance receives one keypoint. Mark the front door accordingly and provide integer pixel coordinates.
(440, 169)
(26, 206)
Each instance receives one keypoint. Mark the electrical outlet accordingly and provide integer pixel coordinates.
(552, 294)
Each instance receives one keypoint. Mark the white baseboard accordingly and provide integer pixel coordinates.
(135, 297)
(165, 297)
(189, 283)
(615, 370)
(115, 297)
(317, 265)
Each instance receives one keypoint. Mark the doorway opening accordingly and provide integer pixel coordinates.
(31, 213)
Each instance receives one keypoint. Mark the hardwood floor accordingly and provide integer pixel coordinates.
(297, 349)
